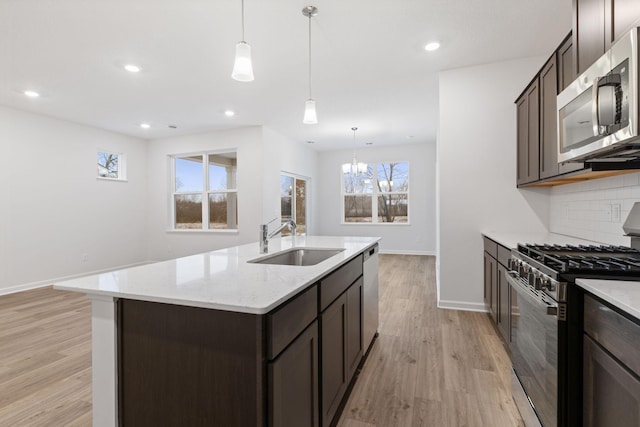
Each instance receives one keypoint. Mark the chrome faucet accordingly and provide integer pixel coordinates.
(265, 236)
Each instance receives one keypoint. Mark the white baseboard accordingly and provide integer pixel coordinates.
(402, 252)
(461, 305)
(48, 282)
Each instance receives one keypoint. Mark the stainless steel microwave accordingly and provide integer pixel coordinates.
(598, 112)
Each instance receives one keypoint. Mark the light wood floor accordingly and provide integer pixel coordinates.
(429, 367)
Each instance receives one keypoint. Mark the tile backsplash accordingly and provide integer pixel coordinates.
(594, 210)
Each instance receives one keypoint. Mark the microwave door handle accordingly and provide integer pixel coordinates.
(594, 108)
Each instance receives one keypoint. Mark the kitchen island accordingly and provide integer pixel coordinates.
(214, 339)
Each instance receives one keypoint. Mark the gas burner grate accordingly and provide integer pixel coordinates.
(584, 258)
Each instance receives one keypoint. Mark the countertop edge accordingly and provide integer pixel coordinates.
(256, 309)
(605, 290)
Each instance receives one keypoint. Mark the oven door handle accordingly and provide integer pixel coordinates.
(551, 309)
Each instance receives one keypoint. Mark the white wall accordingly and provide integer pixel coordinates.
(477, 173)
(262, 155)
(416, 238)
(53, 209)
(284, 155)
(165, 244)
(595, 210)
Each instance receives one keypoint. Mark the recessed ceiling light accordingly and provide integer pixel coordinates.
(145, 125)
(31, 93)
(229, 113)
(173, 126)
(311, 142)
(368, 143)
(132, 68)
(431, 46)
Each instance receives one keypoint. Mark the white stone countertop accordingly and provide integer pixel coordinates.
(622, 294)
(223, 279)
(511, 240)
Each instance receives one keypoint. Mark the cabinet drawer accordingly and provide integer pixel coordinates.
(490, 247)
(338, 281)
(503, 255)
(286, 322)
(617, 334)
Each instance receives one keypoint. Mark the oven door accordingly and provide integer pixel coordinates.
(534, 348)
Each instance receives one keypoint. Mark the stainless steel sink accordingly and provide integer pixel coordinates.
(298, 256)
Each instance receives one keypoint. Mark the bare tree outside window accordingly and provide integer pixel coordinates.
(108, 165)
(379, 195)
(204, 191)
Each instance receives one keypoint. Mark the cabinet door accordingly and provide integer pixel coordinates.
(334, 362)
(566, 64)
(490, 285)
(528, 135)
(620, 17)
(293, 383)
(548, 119)
(354, 327)
(504, 304)
(589, 31)
(611, 394)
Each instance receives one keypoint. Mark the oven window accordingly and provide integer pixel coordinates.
(534, 351)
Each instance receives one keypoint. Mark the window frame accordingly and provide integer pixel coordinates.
(122, 166)
(205, 193)
(375, 193)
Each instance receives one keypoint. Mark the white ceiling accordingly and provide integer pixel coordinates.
(369, 66)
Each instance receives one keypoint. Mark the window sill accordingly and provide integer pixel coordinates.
(99, 178)
(173, 230)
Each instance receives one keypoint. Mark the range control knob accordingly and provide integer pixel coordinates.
(538, 283)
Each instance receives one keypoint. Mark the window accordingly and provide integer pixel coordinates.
(378, 195)
(111, 166)
(293, 202)
(205, 196)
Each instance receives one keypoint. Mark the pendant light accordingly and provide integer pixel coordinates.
(242, 67)
(354, 168)
(310, 117)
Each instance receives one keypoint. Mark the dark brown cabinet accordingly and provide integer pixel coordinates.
(182, 365)
(588, 31)
(611, 368)
(597, 24)
(504, 316)
(548, 119)
(528, 134)
(293, 383)
(341, 327)
(490, 285)
(496, 287)
(566, 64)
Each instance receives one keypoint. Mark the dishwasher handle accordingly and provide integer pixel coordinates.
(370, 252)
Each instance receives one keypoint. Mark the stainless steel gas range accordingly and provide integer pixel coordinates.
(546, 323)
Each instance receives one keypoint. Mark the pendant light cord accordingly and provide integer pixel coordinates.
(242, 7)
(310, 97)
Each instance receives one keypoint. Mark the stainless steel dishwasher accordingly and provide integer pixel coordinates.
(370, 297)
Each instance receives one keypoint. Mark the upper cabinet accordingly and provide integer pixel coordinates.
(597, 24)
(528, 134)
(548, 119)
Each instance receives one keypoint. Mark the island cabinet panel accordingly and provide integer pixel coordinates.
(293, 383)
(354, 327)
(338, 281)
(183, 365)
(334, 362)
(286, 322)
